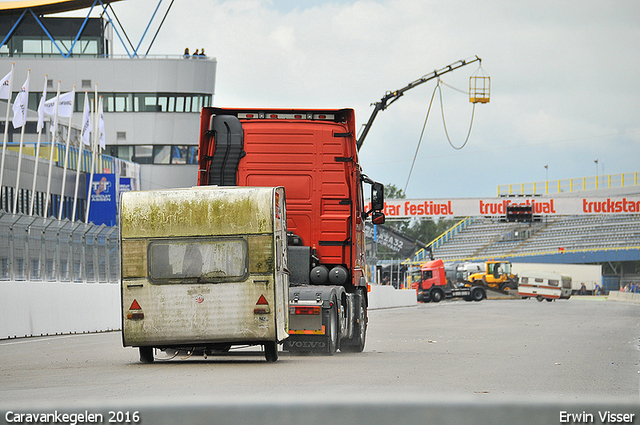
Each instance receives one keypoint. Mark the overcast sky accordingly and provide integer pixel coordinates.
(565, 79)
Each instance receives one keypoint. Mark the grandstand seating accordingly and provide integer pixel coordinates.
(490, 237)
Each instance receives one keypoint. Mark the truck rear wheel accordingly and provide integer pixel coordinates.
(333, 329)
(146, 354)
(271, 351)
(478, 294)
(356, 344)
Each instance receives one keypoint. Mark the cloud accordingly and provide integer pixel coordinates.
(563, 77)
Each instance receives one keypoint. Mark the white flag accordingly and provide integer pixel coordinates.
(65, 107)
(103, 144)
(20, 106)
(86, 121)
(41, 109)
(5, 90)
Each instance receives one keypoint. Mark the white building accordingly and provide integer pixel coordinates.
(151, 104)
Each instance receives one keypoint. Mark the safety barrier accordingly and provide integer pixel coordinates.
(46, 249)
(627, 297)
(386, 296)
(577, 184)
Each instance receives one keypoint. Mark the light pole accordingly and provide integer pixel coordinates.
(596, 161)
(546, 167)
(546, 182)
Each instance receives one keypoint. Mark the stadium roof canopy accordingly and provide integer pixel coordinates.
(43, 7)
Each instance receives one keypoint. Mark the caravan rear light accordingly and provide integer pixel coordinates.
(137, 314)
(261, 310)
(262, 306)
(304, 309)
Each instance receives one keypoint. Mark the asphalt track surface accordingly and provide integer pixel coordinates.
(513, 350)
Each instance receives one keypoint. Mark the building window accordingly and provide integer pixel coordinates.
(184, 155)
(125, 152)
(123, 102)
(161, 154)
(142, 102)
(156, 154)
(143, 154)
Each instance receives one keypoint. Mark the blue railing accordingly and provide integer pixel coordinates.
(104, 163)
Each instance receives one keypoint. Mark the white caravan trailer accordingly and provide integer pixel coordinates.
(544, 285)
(203, 269)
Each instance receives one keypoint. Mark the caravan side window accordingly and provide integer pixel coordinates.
(195, 260)
(524, 280)
(554, 282)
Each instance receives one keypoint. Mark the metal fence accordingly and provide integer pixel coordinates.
(46, 249)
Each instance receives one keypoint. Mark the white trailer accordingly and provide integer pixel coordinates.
(544, 285)
(203, 269)
(588, 274)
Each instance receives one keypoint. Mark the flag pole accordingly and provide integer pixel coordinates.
(23, 113)
(93, 152)
(66, 156)
(37, 156)
(54, 130)
(6, 127)
(86, 128)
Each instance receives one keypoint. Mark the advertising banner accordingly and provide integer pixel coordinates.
(125, 184)
(392, 240)
(103, 199)
(542, 206)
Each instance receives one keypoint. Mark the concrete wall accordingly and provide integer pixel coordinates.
(50, 308)
(626, 297)
(387, 297)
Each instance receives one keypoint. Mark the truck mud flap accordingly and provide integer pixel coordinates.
(306, 344)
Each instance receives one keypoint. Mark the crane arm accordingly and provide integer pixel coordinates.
(391, 97)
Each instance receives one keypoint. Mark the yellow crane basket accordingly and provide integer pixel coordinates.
(479, 87)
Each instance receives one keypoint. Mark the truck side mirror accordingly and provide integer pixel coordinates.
(377, 217)
(377, 196)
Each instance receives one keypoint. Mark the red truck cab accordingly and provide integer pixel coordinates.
(312, 153)
(430, 282)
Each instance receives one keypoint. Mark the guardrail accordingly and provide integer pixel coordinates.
(103, 163)
(578, 184)
(46, 249)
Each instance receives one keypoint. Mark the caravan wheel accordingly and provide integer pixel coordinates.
(271, 351)
(146, 354)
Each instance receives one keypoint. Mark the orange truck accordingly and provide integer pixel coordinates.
(312, 153)
(430, 283)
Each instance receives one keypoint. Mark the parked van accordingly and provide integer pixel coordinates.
(544, 285)
(204, 269)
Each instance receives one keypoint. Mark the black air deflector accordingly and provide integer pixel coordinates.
(229, 139)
